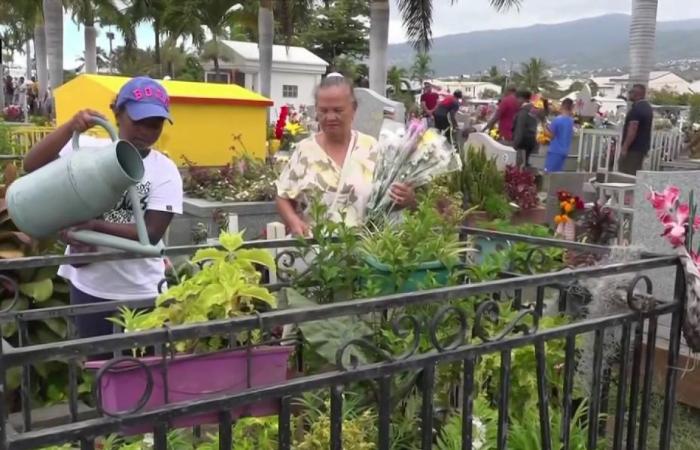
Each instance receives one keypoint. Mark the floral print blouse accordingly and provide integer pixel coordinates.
(311, 172)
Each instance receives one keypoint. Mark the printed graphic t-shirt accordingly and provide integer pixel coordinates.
(135, 279)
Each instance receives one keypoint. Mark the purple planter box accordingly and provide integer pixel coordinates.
(191, 377)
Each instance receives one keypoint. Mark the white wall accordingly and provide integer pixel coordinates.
(305, 83)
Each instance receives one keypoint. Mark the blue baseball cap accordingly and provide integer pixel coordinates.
(143, 98)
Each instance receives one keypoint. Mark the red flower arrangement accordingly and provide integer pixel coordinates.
(520, 187)
(281, 122)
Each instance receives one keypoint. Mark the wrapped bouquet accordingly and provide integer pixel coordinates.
(414, 157)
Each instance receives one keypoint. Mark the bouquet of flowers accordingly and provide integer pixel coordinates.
(568, 204)
(495, 134)
(680, 224)
(544, 137)
(415, 157)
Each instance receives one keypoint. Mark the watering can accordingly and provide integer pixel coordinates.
(80, 187)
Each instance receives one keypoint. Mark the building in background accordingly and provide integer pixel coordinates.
(295, 71)
(613, 87)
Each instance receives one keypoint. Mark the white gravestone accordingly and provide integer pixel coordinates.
(372, 109)
(504, 155)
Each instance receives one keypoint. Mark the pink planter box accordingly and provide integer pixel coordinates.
(191, 377)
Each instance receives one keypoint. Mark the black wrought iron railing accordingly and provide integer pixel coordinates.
(609, 401)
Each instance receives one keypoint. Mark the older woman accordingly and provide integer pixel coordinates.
(337, 164)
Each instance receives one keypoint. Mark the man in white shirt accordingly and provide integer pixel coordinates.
(141, 108)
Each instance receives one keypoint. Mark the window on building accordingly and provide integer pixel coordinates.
(223, 77)
(290, 91)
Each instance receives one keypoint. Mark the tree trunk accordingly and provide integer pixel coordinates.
(90, 48)
(28, 54)
(156, 47)
(378, 43)
(642, 40)
(53, 23)
(266, 34)
(2, 83)
(42, 74)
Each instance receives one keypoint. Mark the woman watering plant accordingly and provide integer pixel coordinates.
(337, 164)
(140, 109)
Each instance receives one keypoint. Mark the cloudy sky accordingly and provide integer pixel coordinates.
(466, 15)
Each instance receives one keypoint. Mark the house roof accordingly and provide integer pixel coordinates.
(280, 53)
(189, 92)
(654, 75)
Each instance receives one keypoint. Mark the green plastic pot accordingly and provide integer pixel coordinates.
(416, 281)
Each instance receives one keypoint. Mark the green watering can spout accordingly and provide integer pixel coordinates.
(80, 187)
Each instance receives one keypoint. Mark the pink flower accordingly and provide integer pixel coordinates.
(675, 234)
(656, 199)
(671, 194)
(696, 224)
(682, 213)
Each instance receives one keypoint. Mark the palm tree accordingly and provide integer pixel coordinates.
(395, 77)
(101, 60)
(151, 11)
(87, 13)
(534, 76)
(421, 67)
(417, 18)
(642, 40)
(212, 15)
(53, 26)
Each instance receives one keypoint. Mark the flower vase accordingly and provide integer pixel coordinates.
(567, 230)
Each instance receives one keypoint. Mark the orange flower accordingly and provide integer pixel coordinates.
(568, 208)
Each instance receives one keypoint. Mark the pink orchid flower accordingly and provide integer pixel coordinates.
(695, 257)
(682, 213)
(673, 231)
(671, 195)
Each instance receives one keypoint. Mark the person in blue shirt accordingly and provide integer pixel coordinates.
(562, 131)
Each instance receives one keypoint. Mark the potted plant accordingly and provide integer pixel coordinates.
(419, 252)
(226, 286)
(521, 189)
(482, 185)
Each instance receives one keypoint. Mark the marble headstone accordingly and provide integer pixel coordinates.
(646, 228)
(372, 109)
(504, 155)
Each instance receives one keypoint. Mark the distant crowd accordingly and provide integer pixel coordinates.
(16, 90)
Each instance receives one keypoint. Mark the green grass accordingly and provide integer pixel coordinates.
(685, 433)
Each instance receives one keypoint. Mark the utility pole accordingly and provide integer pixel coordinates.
(110, 36)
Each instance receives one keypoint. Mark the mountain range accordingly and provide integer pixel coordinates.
(585, 44)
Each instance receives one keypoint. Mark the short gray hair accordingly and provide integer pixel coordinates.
(336, 80)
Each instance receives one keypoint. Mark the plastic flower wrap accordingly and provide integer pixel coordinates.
(414, 157)
(680, 225)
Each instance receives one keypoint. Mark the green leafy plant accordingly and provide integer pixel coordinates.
(226, 286)
(481, 183)
(335, 268)
(425, 235)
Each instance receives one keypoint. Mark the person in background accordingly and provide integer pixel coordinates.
(140, 109)
(429, 102)
(335, 165)
(525, 128)
(562, 131)
(636, 135)
(504, 116)
(446, 115)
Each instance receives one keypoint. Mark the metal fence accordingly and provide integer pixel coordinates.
(475, 337)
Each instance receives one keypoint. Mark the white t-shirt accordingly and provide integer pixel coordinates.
(134, 279)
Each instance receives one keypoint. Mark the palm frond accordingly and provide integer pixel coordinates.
(417, 18)
(503, 5)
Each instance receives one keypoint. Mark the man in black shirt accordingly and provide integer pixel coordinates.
(636, 136)
(524, 128)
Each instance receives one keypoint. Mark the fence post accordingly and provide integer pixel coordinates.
(275, 230)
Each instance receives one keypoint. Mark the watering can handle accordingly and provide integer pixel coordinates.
(97, 121)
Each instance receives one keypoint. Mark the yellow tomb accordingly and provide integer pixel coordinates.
(211, 122)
